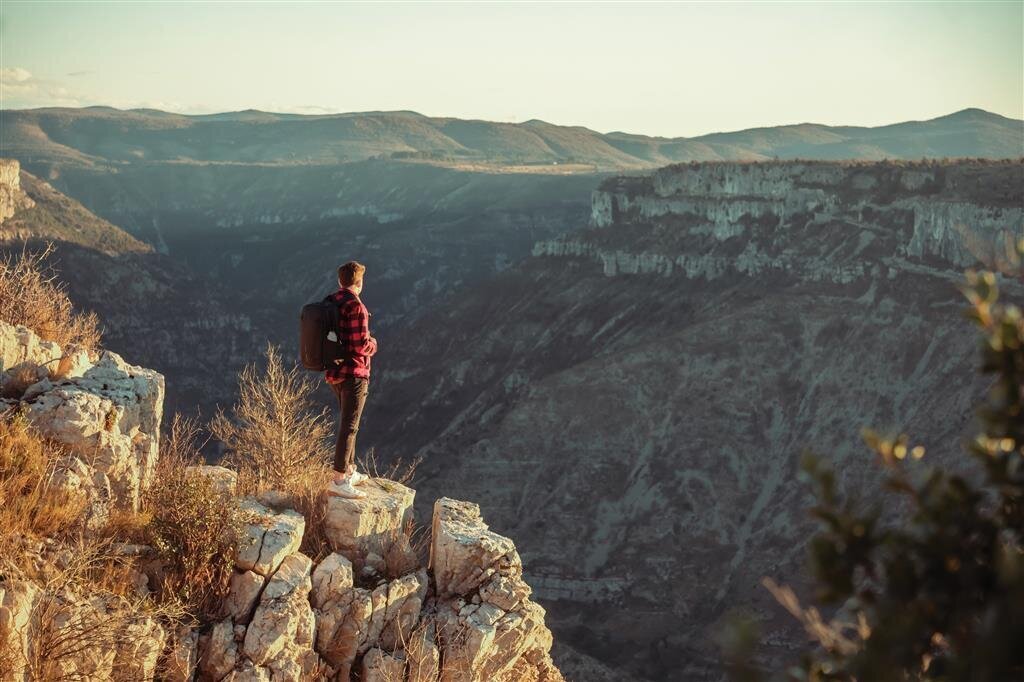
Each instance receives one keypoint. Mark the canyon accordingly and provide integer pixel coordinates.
(620, 363)
(646, 386)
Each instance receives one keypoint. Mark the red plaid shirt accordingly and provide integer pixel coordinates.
(354, 334)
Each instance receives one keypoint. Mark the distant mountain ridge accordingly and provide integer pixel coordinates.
(103, 136)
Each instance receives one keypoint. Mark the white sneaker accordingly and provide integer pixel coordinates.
(345, 489)
(356, 478)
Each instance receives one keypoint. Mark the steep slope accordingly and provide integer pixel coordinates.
(56, 217)
(101, 136)
(147, 303)
(633, 400)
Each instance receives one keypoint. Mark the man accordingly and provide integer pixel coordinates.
(350, 380)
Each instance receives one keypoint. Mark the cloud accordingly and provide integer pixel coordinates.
(13, 75)
(19, 89)
(75, 74)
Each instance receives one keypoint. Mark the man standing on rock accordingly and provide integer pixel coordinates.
(350, 380)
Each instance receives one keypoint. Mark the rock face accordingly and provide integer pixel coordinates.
(17, 601)
(928, 211)
(487, 625)
(373, 527)
(288, 619)
(107, 413)
(269, 537)
(636, 422)
(12, 198)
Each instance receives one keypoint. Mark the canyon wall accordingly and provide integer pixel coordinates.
(646, 386)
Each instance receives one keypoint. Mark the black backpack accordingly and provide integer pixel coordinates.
(316, 351)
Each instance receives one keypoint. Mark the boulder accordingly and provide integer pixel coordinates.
(465, 553)
(243, 594)
(342, 629)
(109, 414)
(332, 581)
(221, 651)
(376, 524)
(17, 600)
(221, 478)
(268, 537)
(283, 625)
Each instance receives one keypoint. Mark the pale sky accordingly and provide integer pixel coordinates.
(673, 69)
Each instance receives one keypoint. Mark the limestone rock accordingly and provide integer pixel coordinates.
(243, 595)
(465, 553)
(381, 667)
(140, 646)
(223, 479)
(108, 413)
(269, 537)
(221, 651)
(20, 347)
(12, 197)
(283, 626)
(72, 619)
(332, 580)
(486, 622)
(342, 629)
(402, 611)
(375, 524)
(17, 599)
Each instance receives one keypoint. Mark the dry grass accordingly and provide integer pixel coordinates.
(85, 617)
(274, 435)
(194, 526)
(30, 507)
(31, 295)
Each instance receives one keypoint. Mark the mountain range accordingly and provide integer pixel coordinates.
(102, 136)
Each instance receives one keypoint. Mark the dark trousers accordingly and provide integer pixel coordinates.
(351, 393)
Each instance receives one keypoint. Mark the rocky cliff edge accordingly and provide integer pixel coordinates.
(465, 616)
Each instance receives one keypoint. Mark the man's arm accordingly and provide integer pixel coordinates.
(355, 326)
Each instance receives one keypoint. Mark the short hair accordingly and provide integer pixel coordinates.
(351, 273)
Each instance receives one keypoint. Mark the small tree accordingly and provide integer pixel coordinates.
(935, 590)
(274, 436)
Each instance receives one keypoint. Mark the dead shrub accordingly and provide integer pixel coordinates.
(194, 526)
(399, 471)
(274, 436)
(31, 295)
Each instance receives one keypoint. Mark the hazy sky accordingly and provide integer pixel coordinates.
(655, 68)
